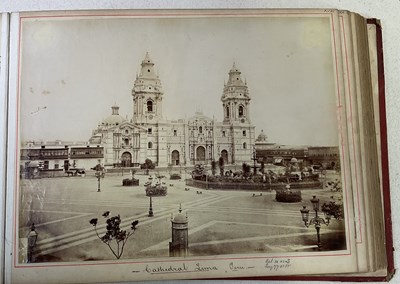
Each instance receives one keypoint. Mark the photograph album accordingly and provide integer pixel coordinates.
(194, 144)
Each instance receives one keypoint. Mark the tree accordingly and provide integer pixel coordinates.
(221, 164)
(148, 165)
(213, 167)
(246, 170)
(115, 238)
(199, 172)
(333, 209)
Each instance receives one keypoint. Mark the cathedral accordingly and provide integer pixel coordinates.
(199, 139)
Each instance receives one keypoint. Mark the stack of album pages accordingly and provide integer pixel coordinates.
(193, 144)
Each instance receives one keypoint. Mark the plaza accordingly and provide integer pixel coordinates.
(221, 222)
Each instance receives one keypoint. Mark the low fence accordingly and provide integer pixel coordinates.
(252, 186)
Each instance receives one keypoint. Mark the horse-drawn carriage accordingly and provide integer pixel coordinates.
(75, 172)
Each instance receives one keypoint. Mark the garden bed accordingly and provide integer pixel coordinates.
(130, 182)
(252, 185)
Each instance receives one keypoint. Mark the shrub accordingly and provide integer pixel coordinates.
(148, 165)
(288, 196)
(257, 178)
(212, 179)
(333, 209)
(199, 172)
(130, 182)
(175, 176)
(156, 190)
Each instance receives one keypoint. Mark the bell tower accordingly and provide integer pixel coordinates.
(147, 94)
(235, 99)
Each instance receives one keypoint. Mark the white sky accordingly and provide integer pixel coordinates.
(78, 69)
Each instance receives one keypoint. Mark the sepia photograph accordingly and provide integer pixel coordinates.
(177, 137)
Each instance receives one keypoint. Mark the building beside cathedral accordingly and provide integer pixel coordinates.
(199, 139)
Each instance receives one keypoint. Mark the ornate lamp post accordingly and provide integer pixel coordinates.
(151, 208)
(32, 238)
(98, 175)
(316, 220)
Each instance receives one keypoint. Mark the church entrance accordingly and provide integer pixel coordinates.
(126, 159)
(175, 158)
(224, 155)
(200, 154)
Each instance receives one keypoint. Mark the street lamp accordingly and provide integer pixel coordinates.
(32, 238)
(151, 208)
(98, 175)
(316, 220)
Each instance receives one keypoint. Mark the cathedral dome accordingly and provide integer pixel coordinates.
(199, 116)
(114, 118)
(262, 137)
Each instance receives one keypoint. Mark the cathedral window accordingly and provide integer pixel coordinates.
(200, 129)
(149, 131)
(223, 133)
(126, 142)
(241, 112)
(227, 111)
(175, 132)
(244, 132)
(150, 145)
(150, 106)
(244, 145)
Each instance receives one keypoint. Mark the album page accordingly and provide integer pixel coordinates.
(4, 33)
(161, 144)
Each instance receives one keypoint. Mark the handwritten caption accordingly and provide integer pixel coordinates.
(177, 268)
(276, 264)
(271, 264)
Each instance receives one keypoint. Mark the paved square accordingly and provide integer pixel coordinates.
(220, 221)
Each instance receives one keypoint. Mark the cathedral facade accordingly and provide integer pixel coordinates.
(199, 139)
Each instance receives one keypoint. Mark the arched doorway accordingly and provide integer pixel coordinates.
(224, 155)
(175, 158)
(200, 154)
(126, 159)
